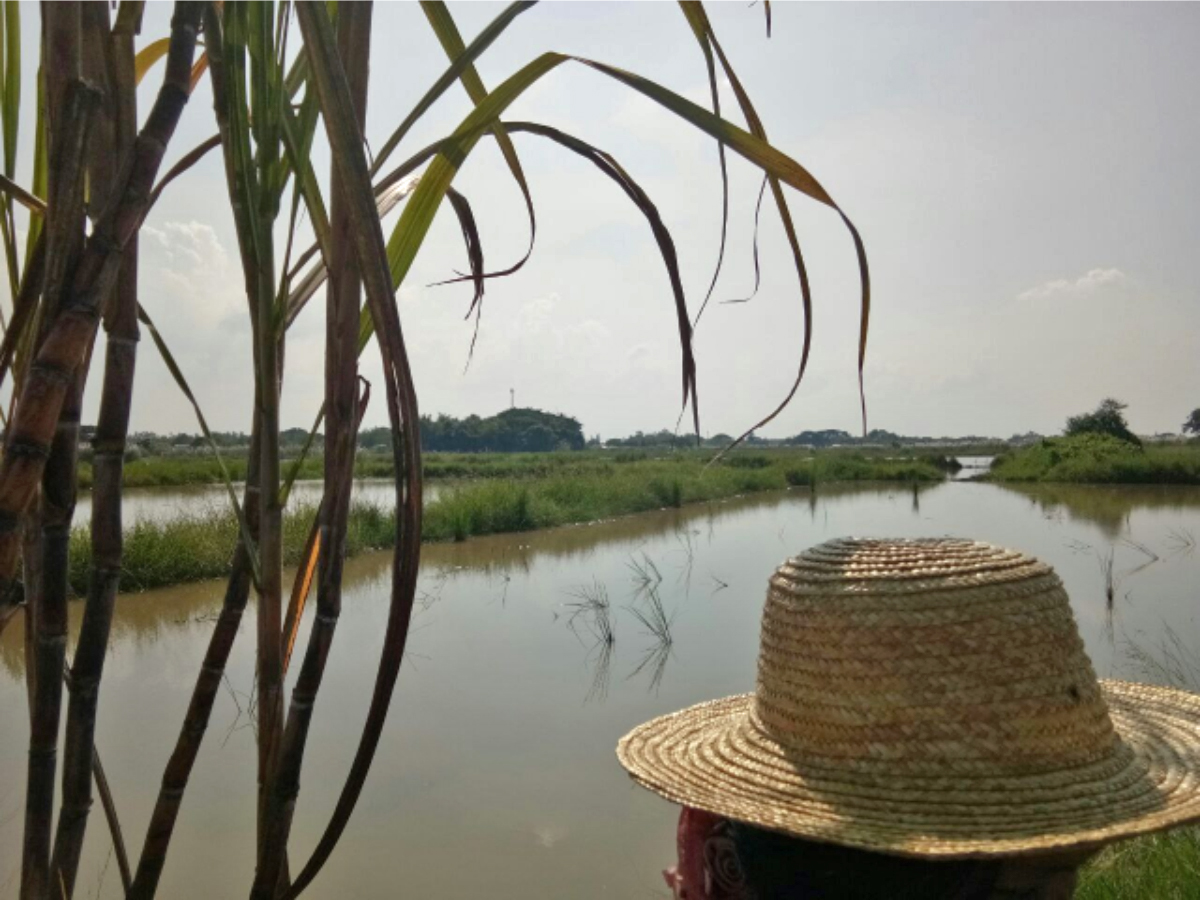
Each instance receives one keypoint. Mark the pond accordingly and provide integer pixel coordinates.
(496, 774)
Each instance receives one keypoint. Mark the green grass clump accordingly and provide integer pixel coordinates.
(198, 546)
(1100, 459)
(1159, 866)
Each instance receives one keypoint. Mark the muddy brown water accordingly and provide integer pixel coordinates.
(496, 774)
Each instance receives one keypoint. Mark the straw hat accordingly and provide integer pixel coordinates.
(928, 698)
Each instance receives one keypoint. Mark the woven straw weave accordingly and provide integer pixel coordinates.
(928, 698)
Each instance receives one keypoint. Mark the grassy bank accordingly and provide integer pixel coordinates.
(1097, 459)
(577, 488)
(177, 471)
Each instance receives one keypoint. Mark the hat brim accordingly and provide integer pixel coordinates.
(712, 757)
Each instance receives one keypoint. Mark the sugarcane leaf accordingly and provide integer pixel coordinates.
(12, 83)
(198, 70)
(310, 190)
(386, 199)
(110, 817)
(185, 163)
(453, 151)
(762, 192)
(715, 93)
(470, 232)
(747, 145)
(462, 60)
(241, 171)
(302, 584)
(168, 359)
(447, 33)
(11, 189)
(293, 472)
(409, 233)
(666, 245)
(10, 107)
(703, 30)
(145, 59)
(25, 307)
(38, 185)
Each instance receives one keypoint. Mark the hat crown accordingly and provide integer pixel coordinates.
(927, 656)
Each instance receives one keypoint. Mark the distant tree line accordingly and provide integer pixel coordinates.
(831, 437)
(532, 430)
(512, 431)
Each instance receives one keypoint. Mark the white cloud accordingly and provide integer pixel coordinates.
(192, 243)
(1065, 287)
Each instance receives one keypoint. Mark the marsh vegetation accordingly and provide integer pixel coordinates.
(491, 494)
(1091, 458)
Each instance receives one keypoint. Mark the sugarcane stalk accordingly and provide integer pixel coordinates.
(343, 302)
(66, 343)
(208, 682)
(346, 144)
(270, 538)
(117, 66)
(256, 205)
(64, 226)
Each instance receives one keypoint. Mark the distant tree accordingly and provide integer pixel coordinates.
(663, 438)
(512, 431)
(827, 438)
(1192, 425)
(1107, 418)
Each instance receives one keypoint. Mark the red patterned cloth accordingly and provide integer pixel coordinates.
(708, 866)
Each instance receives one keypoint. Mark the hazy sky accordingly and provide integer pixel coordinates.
(1024, 177)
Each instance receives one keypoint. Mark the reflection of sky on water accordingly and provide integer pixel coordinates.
(161, 504)
(499, 749)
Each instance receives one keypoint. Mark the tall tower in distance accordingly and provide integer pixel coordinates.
(512, 398)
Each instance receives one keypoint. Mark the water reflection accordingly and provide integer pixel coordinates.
(159, 504)
(972, 467)
(1107, 506)
(499, 747)
(592, 612)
